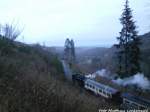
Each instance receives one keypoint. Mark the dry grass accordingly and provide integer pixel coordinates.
(31, 80)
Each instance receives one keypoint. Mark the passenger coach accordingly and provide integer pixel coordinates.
(101, 89)
(135, 102)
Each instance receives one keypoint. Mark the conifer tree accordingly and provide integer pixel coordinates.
(128, 47)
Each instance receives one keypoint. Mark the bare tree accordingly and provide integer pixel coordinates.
(10, 31)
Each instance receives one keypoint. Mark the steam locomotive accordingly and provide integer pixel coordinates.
(126, 100)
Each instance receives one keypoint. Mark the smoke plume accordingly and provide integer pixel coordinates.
(102, 73)
(138, 79)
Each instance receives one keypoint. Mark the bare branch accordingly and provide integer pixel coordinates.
(10, 31)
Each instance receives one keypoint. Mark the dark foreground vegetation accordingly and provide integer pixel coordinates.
(32, 80)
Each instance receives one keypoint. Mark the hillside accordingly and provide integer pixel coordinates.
(32, 80)
(145, 48)
(106, 58)
(91, 59)
(146, 41)
(80, 51)
(84, 55)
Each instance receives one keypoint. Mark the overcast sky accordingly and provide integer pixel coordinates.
(88, 22)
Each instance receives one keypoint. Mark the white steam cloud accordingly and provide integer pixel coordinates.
(102, 73)
(138, 79)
